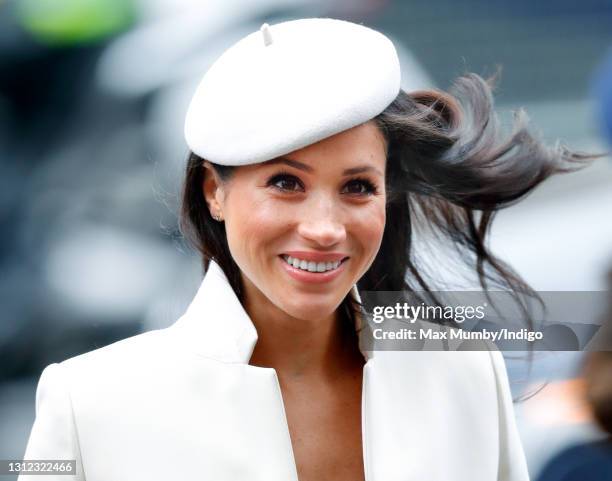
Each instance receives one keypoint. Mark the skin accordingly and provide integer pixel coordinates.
(265, 215)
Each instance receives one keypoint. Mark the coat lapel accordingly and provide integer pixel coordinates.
(216, 324)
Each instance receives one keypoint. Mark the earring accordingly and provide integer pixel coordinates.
(217, 217)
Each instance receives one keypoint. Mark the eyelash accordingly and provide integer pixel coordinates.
(369, 186)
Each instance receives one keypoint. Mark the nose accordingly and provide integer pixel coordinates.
(322, 224)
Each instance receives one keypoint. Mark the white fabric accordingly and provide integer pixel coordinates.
(183, 403)
(317, 77)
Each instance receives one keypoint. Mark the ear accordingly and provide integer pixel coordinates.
(212, 187)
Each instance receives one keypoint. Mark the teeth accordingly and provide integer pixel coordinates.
(311, 266)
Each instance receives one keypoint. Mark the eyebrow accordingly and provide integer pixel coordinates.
(308, 168)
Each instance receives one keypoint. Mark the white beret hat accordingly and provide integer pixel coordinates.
(290, 85)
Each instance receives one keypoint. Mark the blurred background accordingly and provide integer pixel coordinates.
(92, 99)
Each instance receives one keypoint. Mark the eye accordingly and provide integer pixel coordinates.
(361, 186)
(285, 182)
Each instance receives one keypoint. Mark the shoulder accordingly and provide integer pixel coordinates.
(452, 369)
(154, 369)
(131, 363)
(442, 354)
(81, 388)
(481, 368)
(141, 348)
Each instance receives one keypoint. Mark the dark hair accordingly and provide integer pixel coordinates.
(449, 168)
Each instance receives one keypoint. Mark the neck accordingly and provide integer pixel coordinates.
(298, 348)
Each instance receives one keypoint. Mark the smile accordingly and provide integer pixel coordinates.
(312, 266)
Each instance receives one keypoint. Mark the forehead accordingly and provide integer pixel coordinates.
(359, 146)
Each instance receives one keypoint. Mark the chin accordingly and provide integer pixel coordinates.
(309, 310)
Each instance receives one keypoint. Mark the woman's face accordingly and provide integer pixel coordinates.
(321, 204)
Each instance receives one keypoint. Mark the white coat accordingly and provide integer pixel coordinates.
(182, 403)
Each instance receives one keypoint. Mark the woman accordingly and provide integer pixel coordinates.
(307, 165)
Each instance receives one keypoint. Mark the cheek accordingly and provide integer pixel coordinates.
(368, 227)
(253, 224)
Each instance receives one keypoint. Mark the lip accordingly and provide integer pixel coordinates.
(312, 277)
(317, 256)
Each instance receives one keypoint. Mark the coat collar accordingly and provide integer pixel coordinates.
(216, 325)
